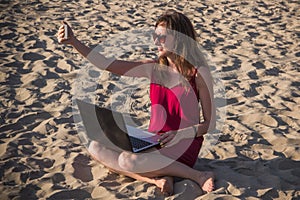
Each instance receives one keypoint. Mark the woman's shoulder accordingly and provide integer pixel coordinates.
(202, 71)
(203, 76)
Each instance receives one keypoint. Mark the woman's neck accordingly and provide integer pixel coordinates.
(172, 65)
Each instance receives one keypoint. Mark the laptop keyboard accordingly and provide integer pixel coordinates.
(137, 143)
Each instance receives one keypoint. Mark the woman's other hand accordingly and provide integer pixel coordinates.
(166, 138)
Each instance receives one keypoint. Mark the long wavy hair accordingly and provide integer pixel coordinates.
(186, 50)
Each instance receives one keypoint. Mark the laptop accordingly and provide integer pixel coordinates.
(108, 128)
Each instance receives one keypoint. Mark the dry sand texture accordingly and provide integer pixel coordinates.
(255, 48)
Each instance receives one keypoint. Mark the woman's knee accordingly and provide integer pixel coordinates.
(128, 161)
(96, 150)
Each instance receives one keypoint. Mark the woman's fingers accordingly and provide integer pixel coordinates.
(60, 37)
(61, 40)
(61, 30)
(166, 138)
(60, 34)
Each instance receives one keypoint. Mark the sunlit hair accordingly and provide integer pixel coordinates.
(186, 49)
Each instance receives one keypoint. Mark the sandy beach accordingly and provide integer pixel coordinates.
(254, 48)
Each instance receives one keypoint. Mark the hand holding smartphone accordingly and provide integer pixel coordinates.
(64, 34)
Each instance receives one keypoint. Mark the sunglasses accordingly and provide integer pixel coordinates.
(159, 38)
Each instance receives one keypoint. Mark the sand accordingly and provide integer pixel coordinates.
(254, 46)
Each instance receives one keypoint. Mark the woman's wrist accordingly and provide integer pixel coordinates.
(189, 132)
(195, 128)
(74, 41)
(80, 47)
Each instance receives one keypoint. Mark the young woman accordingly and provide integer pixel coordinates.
(180, 79)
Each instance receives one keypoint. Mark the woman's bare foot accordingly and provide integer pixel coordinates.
(165, 184)
(206, 181)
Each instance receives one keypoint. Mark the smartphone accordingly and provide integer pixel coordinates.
(66, 31)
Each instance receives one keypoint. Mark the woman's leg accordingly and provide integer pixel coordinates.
(126, 166)
(172, 168)
(110, 159)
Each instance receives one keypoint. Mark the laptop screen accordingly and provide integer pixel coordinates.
(104, 126)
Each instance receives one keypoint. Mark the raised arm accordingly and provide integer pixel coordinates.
(119, 67)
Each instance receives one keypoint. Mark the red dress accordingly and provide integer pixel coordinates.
(176, 108)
